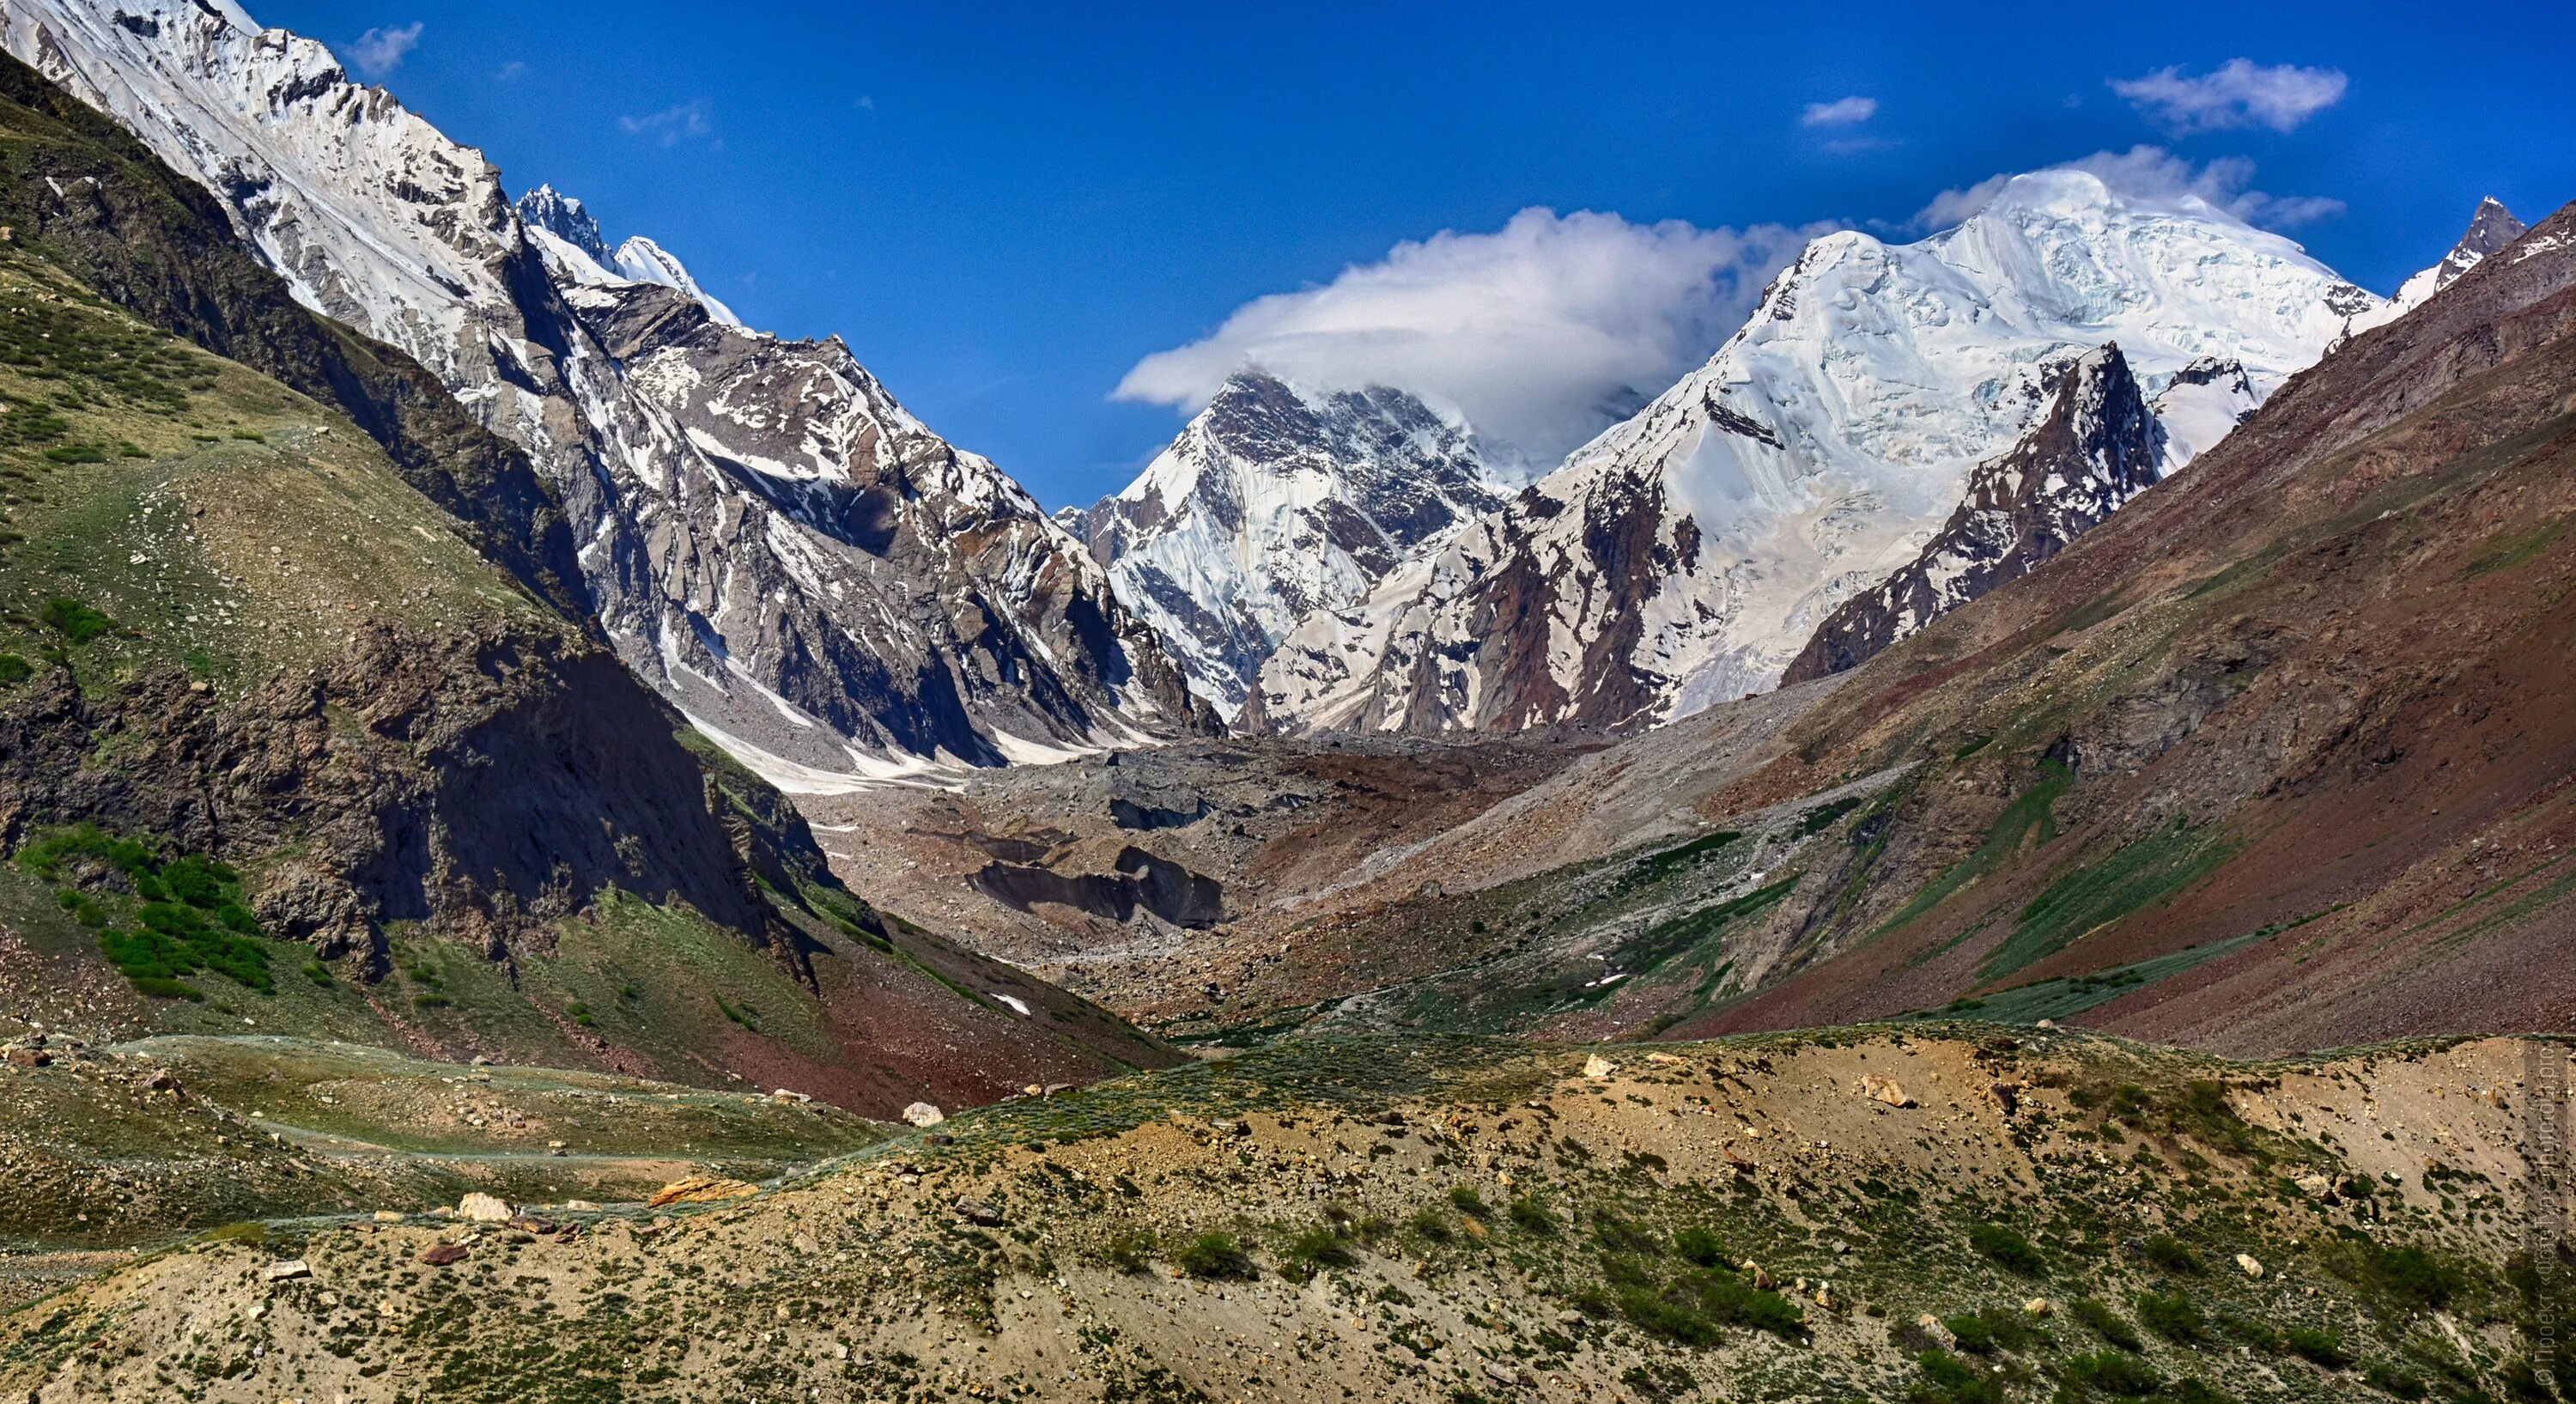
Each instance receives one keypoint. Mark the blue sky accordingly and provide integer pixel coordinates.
(1006, 208)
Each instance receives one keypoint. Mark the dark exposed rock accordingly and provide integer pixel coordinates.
(2097, 447)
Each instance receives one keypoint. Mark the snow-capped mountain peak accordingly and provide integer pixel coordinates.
(1684, 556)
(830, 589)
(1277, 500)
(568, 228)
(567, 219)
(2491, 228)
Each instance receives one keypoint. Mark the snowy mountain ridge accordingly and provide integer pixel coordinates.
(1685, 556)
(572, 239)
(829, 588)
(1277, 500)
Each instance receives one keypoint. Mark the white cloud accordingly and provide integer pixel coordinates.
(2239, 93)
(2151, 173)
(511, 71)
(670, 126)
(380, 51)
(1541, 333)
(1841, 112)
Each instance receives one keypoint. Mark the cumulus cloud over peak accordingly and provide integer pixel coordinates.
(2238, 93)
(2153, 174)
(1540, 334)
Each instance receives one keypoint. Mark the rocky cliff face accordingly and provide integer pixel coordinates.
(1685, 556)
(1276, 501)
(814, 576)
(2097, 447)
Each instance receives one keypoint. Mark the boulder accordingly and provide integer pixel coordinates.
(923, 1114)
(979, 1213)
(441, 1254)
(286, 1270)
(484, 1208)
(2248, 1264)
(1598, 1068)
(1884, 1089)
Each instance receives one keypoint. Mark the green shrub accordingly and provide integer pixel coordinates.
(252, 435)
(1428, 1225)
(1613, 1234)
(2317, 1346)
(2390, 1380)
(1943, 1378)
(2170, 1253)
(2097, 1316)
(1532, 1216)
(83, 907)
(74, 620)
(14, 670)
(317, 972)
(1321, 1247)
(2172, 1315)
(1694, 1305)
(1215, 1255)
(1130, 1252)
(2110, 1372)
(1698, 1245)
(2007, 1249)
(1470, 1203)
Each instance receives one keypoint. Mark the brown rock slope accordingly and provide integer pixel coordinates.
(2312, 696)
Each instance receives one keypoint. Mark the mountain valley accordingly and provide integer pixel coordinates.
(2008, 838)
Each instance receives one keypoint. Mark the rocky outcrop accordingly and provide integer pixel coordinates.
(2098, 446)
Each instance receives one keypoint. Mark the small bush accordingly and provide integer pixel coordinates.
(14, 670)
(1532, 1216)
(2317, 1346)
(2390, 1380)
(2172, 1315)
(74, 620)
(2007, 1249)
(1943, 1378)
(1617, 1235)
(1321, 1247)
(1470, 1203)
(2110, 1372)
(252, 435)
(1698, 1245)
(1130, 1252)
(1215, 1256)
(1429, 1226)
(2171, 1253)
(2097, 1316)
(317, 972)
